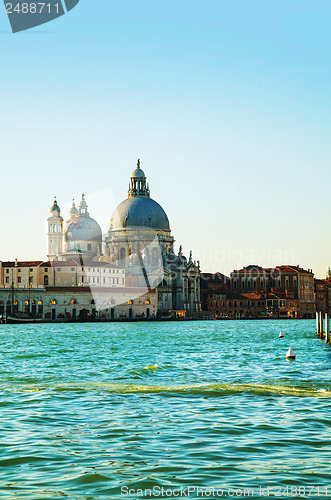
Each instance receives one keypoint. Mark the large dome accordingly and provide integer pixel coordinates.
(83, 229)
(139, 212)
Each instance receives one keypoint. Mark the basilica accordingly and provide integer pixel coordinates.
(138, 244)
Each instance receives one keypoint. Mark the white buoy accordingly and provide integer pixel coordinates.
(281, 335)
(290, 354)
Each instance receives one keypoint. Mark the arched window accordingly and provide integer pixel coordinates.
(2, 307)
(40, 307)
(27, 306)
(93, 302)
(46, 280)
(73, 302)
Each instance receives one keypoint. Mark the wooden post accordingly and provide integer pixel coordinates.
(321, 323)
(327, 328)
(317, 323)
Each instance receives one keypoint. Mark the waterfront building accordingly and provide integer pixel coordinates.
(140, 239)
(133, 273)
(256, 292)
(323, 295)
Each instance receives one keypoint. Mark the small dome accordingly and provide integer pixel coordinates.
(138, 173)
(73, 212)
(139, 212)
(55, 207)
(83, 229)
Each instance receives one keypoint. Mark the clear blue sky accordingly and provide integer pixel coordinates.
(227, 104)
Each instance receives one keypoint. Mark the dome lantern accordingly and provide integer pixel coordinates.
(83, 206)
(73, 212)
(138, 185)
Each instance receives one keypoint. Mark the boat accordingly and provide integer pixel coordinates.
(17, 320)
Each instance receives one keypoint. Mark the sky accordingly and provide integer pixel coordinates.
(227, 104)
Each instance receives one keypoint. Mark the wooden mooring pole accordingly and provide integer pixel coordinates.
(317, 323)
(327, 328)
(321, 323)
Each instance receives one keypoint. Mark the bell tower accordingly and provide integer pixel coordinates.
(55, 232)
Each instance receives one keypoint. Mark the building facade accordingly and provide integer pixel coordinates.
(256, 292)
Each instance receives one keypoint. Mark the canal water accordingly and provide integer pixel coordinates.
(101, 411)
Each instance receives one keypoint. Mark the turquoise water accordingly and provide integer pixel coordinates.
(88, 409)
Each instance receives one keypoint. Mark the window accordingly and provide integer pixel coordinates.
(46, 280)
(72, 269)
(31, 279)
(7, 271)
(243, 283)
(19, 279)
(19, 270)
(31, 270)
(58, 269)
(89, 247)
(7, 279)
(46, 269)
